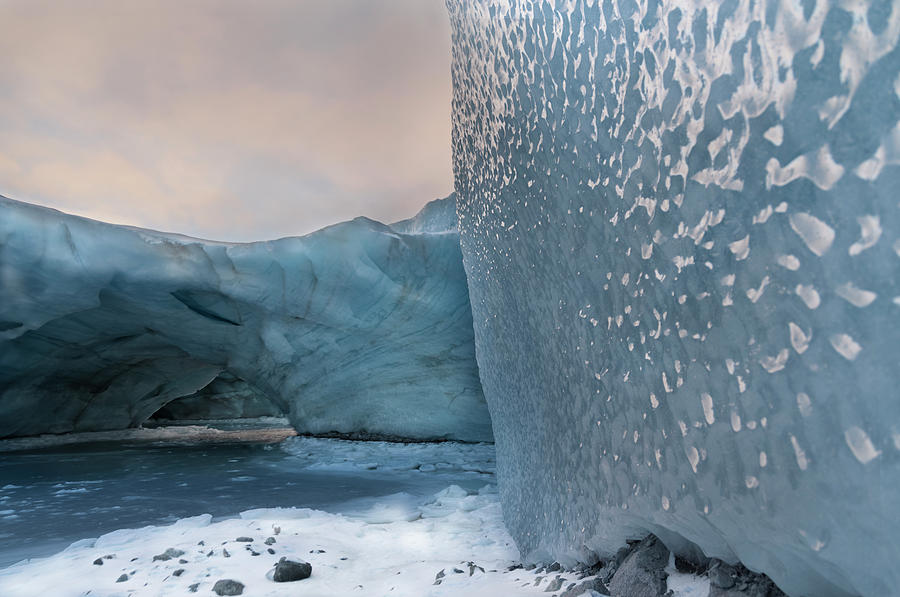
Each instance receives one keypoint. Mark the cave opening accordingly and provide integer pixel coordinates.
(226, 397)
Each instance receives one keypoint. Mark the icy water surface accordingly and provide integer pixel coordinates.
(53, 497)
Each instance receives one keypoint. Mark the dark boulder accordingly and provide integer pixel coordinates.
(290, 571)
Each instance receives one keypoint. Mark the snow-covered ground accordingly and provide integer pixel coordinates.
(396, 544)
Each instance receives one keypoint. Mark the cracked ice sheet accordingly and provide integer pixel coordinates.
(400, 553)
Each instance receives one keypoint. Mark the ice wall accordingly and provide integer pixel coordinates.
(680, 225)
(357, 327)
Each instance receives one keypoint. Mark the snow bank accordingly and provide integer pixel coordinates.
(354, 456)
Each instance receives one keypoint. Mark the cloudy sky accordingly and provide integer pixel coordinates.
(226, 119)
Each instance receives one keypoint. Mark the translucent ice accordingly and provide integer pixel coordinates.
(357, 327)
(680, 224)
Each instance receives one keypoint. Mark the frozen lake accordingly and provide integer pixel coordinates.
(52, 497)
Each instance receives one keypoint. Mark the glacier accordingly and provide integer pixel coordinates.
(359, 327)
(680, 224)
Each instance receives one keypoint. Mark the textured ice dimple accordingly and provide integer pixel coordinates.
(817, 235)
(718, 181)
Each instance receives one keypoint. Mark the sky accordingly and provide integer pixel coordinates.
(226, 119)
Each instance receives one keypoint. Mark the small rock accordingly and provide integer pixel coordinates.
(193, 588)
(642, 572)
(595, 584)
(244, 539)
(98, 562)
(554, 585)
(270, 541)
(168, 555)
(722, 575)
(457, 571)
(228, 587)
(554, 567)
(276, 530)
(726, 580)
(182, 561)
(178, 572)
(122, 578)
(289, 571)
(225, 553)
(271, 551)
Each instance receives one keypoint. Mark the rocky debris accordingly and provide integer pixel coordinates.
(271, 551)
(289, 571)
(99, 561)
(691, 565)
(554, 585)
(244, 540)
(225, 553)
(178, 572)
(438, 578)
(595, 584)
(168, 555)
(726, 580)
(122, 578)
(228, 587)
(473, 567)
(593, 570)
(642, 571)
(270, 541)
(193, 588)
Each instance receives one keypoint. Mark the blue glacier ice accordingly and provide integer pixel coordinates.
(357, 327)
(680, 224)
